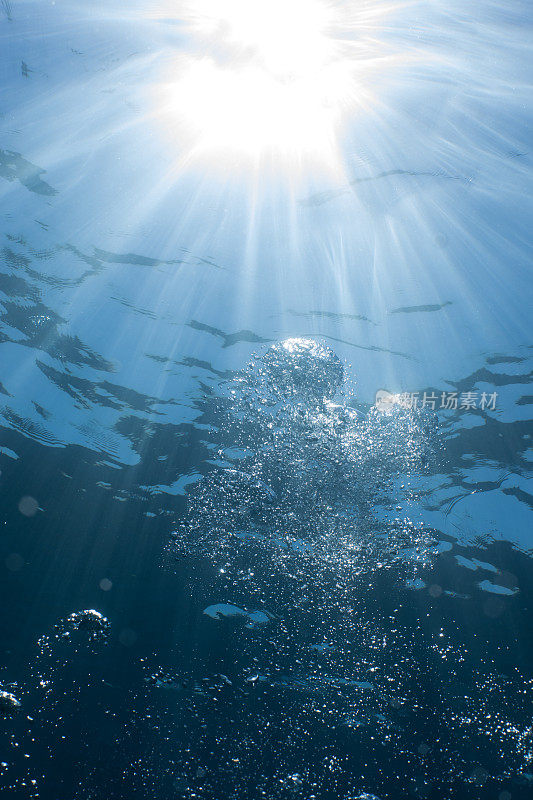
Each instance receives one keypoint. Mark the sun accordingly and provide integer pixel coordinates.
(262, 81)
(285, 36)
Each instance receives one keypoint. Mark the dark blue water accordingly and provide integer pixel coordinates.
(265, 401)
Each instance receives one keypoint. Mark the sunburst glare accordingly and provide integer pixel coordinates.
(268, 81)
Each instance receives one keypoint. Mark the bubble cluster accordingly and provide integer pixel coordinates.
(8, 703)
(80, 628)
(303, 368)
(304, 497)
(88, 620)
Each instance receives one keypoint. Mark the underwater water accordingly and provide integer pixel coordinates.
(266, 508)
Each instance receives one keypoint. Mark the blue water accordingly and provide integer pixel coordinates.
(265, 426)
